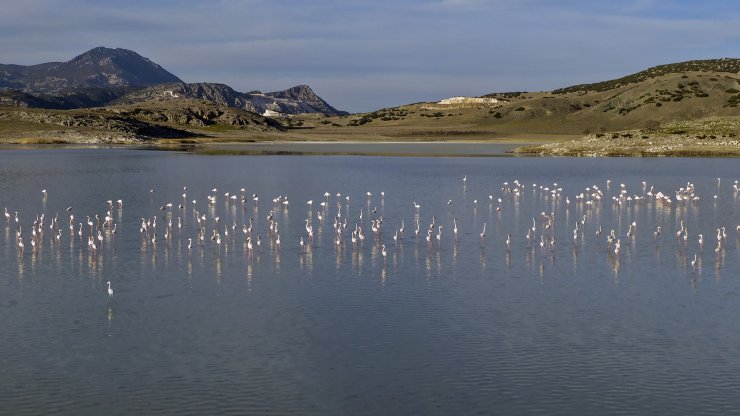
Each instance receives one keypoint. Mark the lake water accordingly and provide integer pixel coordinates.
(460, 325)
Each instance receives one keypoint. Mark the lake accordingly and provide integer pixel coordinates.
(462, 324)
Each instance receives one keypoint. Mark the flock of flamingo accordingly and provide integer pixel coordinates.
(207, 229)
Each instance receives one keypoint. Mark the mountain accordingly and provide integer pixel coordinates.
(296, 100)
(104, 76)
(97, 68)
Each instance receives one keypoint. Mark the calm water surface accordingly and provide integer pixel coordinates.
(456, 326)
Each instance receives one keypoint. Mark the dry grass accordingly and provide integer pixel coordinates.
(716, 136)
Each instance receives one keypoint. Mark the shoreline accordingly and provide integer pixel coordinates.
(398, 148)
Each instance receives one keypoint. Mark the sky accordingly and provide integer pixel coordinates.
(365, 55)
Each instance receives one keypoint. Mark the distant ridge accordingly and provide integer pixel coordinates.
(97, 68)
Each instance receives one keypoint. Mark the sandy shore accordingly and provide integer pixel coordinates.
(385, 148)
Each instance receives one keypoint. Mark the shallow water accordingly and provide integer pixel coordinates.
(458, 326)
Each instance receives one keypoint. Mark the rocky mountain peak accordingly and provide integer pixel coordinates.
(299, 92)
(304, 94)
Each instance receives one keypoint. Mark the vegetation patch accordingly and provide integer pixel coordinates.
(710, 65)
(707, 137)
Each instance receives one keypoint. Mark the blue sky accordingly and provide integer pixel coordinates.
(365, 55)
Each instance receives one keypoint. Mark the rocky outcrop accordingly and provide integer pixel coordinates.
(306, 99)
(99, 124)
(296, 100)
(197, 114)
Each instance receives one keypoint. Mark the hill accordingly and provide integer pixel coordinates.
(692, 90)
(727, 65)
(183, 121)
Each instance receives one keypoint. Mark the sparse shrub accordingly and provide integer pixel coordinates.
(733, 101)
(652, 125)
(520, 109)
